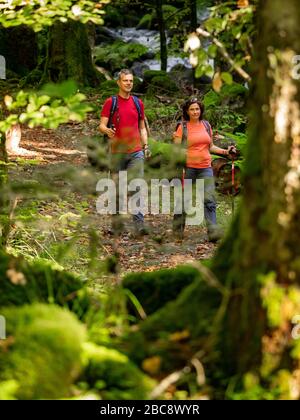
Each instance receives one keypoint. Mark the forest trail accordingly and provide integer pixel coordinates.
(63, 148)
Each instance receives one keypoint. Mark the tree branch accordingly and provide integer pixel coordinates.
(225, 54)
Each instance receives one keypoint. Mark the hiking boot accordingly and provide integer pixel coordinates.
(117, 226)
(215, 233)
(141, 229)
(178, 226)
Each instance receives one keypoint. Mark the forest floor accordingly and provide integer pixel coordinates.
(56, 217)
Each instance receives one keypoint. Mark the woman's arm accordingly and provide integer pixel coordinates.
(177, 139)
(219, 151)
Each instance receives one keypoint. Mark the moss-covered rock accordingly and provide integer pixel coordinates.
(108, 88)
(178, 329)
(193, 310)
(155, 289)
(163, 85)
(150, 74)
(113, 375)
(42, 353)
(39, 281)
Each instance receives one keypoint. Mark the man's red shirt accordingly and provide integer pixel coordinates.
(126, 122)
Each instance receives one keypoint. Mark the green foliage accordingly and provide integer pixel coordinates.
(52, 106)
(146, 21)
(113, 375)
(122, 14)
(154, 290)
(43, 354)
(234, 27)
(37, 14)
(224, 109)
(118, 55)
(8, 390)
(169, 158)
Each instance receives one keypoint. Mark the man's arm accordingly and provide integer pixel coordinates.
(110, 132)
(143, 132)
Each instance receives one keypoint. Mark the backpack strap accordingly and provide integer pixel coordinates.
(207, 127)
(114, 105)
(137, 105)
(184, 133)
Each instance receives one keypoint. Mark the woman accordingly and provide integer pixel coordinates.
(196, 135)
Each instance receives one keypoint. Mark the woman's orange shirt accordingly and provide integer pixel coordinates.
(198, 144)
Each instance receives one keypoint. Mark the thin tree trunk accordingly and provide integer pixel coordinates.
(193, 14)
(162, 32)
(4, 201)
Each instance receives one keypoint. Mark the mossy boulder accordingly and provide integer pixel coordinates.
(153, 290)
(108, 88)
(177, 330)
(25, 282)
(162, 85)
(42, 352)
(158, 81)
(150, 74)
(113, 375)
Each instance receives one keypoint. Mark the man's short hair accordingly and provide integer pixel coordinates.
(124, 72)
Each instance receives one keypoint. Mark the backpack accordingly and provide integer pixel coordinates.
(185, 133)
(114, 107)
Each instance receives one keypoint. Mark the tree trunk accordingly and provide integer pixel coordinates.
(260, 260)
(69, 55)
(162, 32)
(244, 323)
(4, 202)
(193, 14)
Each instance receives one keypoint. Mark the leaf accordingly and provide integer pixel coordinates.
(217, 82)
(152, 365)
(180, 335)
(212, 50)
(226, 77)
(63, 90)
(242, 3)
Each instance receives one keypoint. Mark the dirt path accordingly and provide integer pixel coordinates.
(63, 148)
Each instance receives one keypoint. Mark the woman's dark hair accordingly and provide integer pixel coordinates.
(186, 106)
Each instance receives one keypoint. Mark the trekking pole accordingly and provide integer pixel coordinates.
(182, 224)
(232, 155)
(232, 184)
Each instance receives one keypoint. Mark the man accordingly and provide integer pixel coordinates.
(127, 134)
